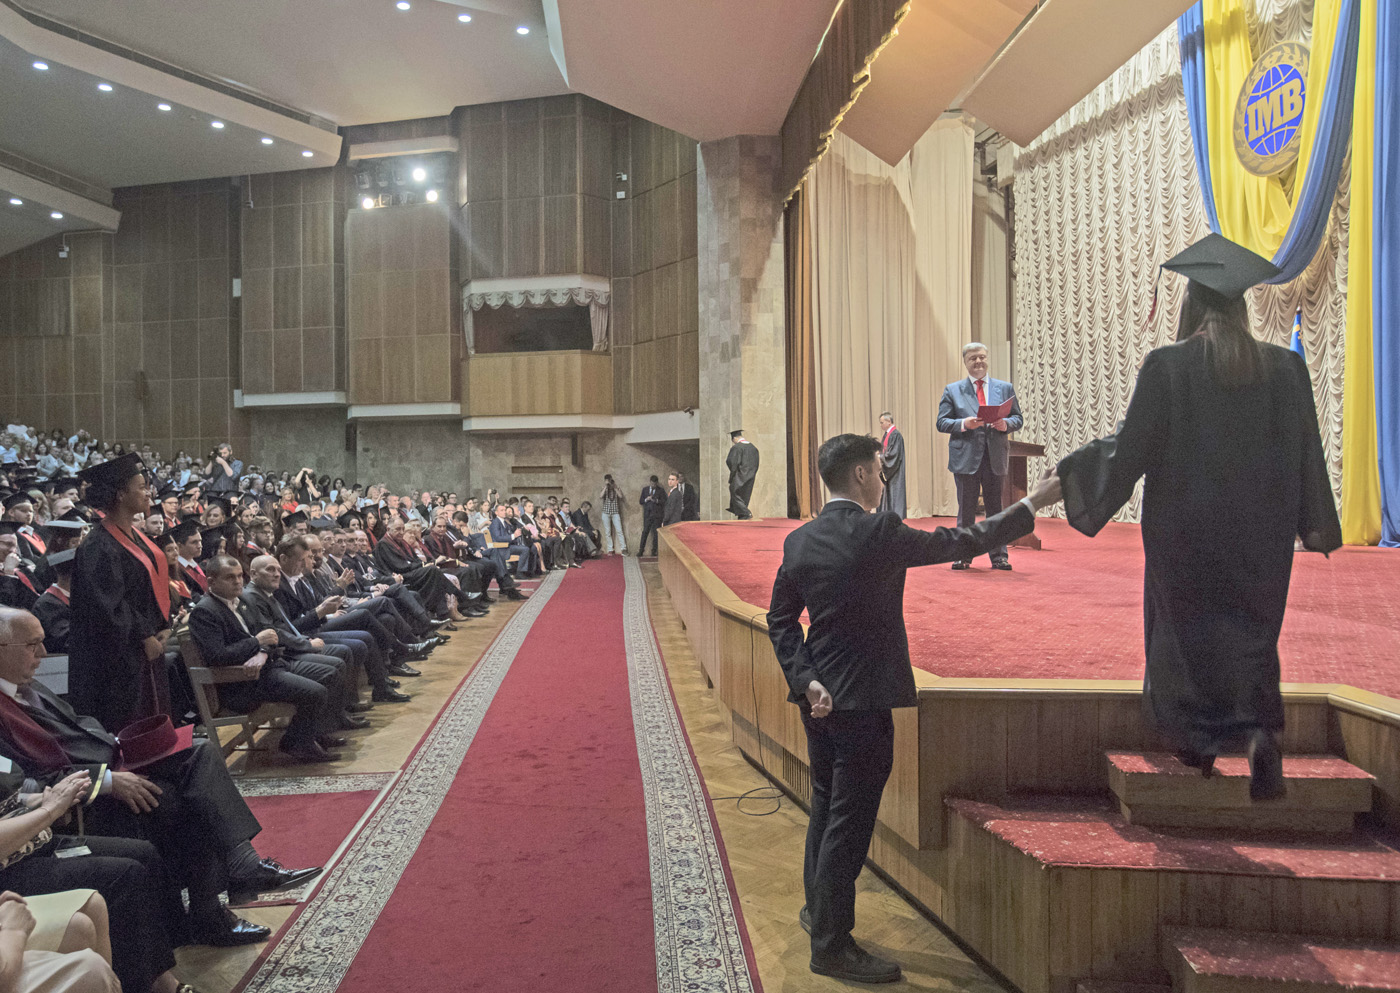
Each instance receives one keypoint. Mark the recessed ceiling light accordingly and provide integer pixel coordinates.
(464, 18)
(16, 202)
(267, 141)
(217, 125)
(307, 153)
(162, 106)
(367, 203)
(432, 196)
(403, 5)
(41, 66)
(522, 30)
(420, 174)
(56, 215)
(105, 87)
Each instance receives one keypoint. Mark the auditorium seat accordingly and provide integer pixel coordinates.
(206, 681)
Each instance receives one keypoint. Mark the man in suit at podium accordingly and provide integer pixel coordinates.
(846, 569)
(979, 453)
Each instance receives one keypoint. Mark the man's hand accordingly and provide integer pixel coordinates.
(379, 589)
(267, 636)
(328, 606)
(318, 643)
(971, 424)
(256, 662)
(136, 791)
(398, 578)
(1000, 425)
(345, 578)
(819, 698)
(1047, 490)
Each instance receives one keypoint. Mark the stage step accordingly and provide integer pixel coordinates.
(1110, 986)
(1325, 793)
(1206, 960)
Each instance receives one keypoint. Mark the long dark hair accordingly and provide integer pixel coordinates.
(1222, 322)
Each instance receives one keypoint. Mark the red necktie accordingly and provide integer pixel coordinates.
(200, 573)
(981, 394)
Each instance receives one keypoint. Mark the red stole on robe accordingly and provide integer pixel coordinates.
(41, 751)
(58, 592)
(158, 575)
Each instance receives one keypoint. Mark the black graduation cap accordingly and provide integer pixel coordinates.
(211, 538)
(221, 501)
(167, 491)
(61, 527)
(1223, 266)
(114, 473)
(76, 514)
(192, 489)
(736, 432)
(10, 527)
(293, 519)
(61, 483)
(183, 531)
(15, 499)
(322, 523)
(350, 518)
(59, 558)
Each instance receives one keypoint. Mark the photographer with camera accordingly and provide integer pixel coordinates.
(222, 470)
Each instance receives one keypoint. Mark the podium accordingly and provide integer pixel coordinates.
(1017, 484)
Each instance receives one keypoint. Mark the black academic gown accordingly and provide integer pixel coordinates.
(53, 613)
(892, 461)
(113, 611)
(1232, 476)
(742, 463)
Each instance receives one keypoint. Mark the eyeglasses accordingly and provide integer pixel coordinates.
(33, 646)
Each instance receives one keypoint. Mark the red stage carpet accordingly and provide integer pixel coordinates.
(1074, 609)
(550, 832)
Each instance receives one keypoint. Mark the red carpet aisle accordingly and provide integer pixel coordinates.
(538, 838)
(307, 820)
(1077, 606)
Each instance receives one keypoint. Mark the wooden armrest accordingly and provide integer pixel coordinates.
(500, 544)
(233, 674)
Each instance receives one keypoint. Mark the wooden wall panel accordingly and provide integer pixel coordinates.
(523, 159)
(559, 157)
(524, 383)
(559, 240)
(522, 224)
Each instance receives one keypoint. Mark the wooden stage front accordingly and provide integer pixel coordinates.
(982, 750)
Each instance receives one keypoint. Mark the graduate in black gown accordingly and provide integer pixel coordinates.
(1225, 431)
(120, 615)
(742, 463)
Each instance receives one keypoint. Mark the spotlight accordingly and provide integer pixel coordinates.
(307, 153)
(419, 174)
(267, 141)
(16, 202)
(162, 106)
(56, 215)
(522, 30)
(403, 5)
(217, 125)
(367, 203)
(41, 66)
(432, 196)
(105, 87)
(464, 18)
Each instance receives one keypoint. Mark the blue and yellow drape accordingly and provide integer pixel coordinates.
(1356, 46)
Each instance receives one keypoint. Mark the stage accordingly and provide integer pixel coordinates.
(1003, 817)
(1073, 610)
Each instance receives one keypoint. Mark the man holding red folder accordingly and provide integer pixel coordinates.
(978, 413)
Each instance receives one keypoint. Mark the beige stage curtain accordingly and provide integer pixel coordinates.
(892, 289)
(804, 488)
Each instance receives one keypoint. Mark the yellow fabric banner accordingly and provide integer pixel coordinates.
(1361, 484)
(1255, 211)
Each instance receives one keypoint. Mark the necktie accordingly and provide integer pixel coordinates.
(981, 394)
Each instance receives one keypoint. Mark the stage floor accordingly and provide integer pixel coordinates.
(1073, 610)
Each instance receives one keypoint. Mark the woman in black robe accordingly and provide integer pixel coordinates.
(1225, 431)
(120, 618)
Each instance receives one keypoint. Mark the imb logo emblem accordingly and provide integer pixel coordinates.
(1269, 113)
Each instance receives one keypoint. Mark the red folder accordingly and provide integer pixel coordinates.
(991, 413)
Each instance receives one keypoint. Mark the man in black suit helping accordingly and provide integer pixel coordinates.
(846, 569)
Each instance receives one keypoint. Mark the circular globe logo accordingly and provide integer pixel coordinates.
(1269, 112)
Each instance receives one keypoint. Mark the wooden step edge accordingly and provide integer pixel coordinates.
(1117, 986)
(1377, 969)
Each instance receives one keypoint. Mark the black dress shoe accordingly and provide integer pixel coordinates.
(476, 611)
(307, 751)
(514, 594)
(961, 564)
(486, 598)
(804, 917)
(403, 669)
(1002, 564)
(393, 684)
(271, 875)
(1194, 759)
(855, 965)
(1266, 780)
(449, 626)
(445, 622)
(331, 741)
(418, 647)
(349, 722)
(391, 695)
(358, 708)
(228, 931)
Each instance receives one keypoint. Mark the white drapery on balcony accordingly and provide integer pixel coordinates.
(593, 292)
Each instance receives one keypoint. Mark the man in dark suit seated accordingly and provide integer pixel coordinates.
(479, 546)
(384, 610)
(226, 633)
(505, 530)
(846, 569)
(185, 803)
(336, 544)
(322, 616)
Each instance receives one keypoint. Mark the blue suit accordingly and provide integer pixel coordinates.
(979, 459)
